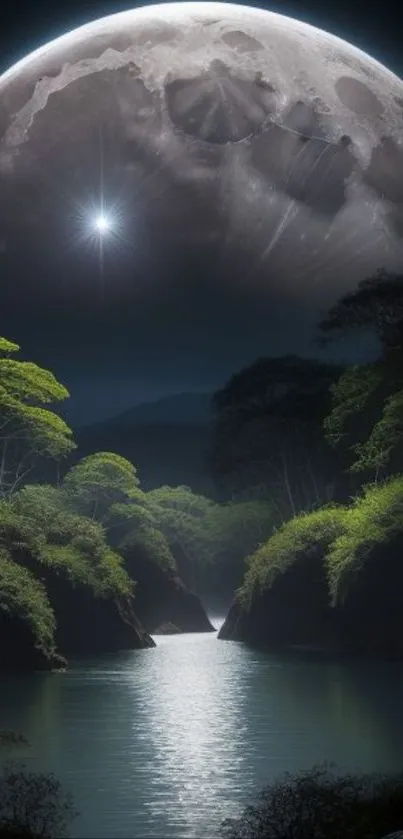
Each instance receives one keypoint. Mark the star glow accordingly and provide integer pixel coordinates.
(102, 224)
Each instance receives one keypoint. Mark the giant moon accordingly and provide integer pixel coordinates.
(238, 142)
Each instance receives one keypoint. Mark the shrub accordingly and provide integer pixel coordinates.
(373, 519)
(303, 535)
(32, 804)
(23, 596)
(321, 805)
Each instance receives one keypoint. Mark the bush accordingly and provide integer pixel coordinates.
(300, 537)
(24, 597)
(321, 805)
(32, 804)
(72, 545)
(374, 519)
(150, 544)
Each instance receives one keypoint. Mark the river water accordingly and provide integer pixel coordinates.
(170, 741)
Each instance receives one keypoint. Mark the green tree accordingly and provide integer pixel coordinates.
(70, 543)
(373, 521)
(376, 307)
(268, 435)
(334, 575)
(366, 417)
(105, 487)
(22, 595)
(213, 539)
(235, 530)
(180, 515)
(99, 481)
(28, 429)
(47, 550)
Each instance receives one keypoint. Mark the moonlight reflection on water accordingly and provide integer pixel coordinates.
(170, 741)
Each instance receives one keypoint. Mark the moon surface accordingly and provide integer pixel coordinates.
(225, 134)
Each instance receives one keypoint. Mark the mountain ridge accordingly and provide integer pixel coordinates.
(185, 408)
(167, 440)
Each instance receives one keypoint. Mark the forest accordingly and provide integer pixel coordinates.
(303, 532)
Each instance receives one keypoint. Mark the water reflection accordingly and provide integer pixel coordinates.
(168, 742)
(198, 747)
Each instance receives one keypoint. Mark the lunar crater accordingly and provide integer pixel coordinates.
(358, 97)
(241, 41)
(385, 171)
(218, 106)
(303, 163)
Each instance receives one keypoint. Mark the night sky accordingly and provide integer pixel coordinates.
(114, 348)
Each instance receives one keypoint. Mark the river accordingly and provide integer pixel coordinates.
(168, 742)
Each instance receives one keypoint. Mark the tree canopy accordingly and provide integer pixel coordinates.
(100, 480)
(28, 430)
(268, 434)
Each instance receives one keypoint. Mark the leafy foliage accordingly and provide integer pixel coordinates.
(106, 486)
(347, 558)
(367, 412)
(100, 480)
(28, 430)
(321, 803)
(351, 395)
(268, 435)
(32, 804)
(74, 545)
(367, 406)
(39, 532)
(214, 538)
(150, 543)
(373, 519)
(298, 538)
(24, 596)
(181, 515)
(236, 528)
(385, 438)
(376, 306)
(7, 347)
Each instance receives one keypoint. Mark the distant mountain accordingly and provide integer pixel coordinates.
(181, 408)
(167, 440)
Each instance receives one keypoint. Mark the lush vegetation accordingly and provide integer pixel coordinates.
(345, 538)
(24, 596)
(32, 804)
(268, 434)
(338, 559)
(29, 431)
(321, 803)
(308, 460)
(300, 537)
(97, 536)
(373, 520)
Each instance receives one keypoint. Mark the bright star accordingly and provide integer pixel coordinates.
(102, 224)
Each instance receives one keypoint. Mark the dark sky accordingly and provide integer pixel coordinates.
(115, 349)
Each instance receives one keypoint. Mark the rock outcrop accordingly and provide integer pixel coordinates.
(294, 610)
(88, 624)
(18, 650)
(161, 596)
(167, 629)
